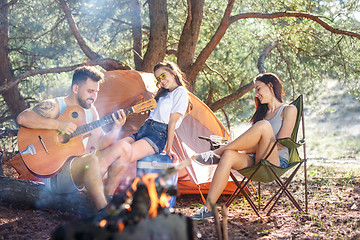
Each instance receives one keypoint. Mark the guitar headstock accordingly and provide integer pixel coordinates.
(144, 106)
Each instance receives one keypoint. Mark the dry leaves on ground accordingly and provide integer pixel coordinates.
(334, 213)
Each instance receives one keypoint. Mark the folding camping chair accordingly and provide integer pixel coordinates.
(266, 172)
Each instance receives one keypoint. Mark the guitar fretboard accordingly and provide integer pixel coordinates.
(99, 123)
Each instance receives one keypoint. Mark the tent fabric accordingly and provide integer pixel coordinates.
(122, 89)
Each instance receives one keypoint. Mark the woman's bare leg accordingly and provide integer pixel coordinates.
(114, 161)
(229, 160)
(141, 149)
(259, 138)
(124, 152)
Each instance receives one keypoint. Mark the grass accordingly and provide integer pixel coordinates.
(332, 124)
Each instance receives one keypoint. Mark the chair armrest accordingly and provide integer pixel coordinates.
(213, 145)
(289, 143)
(204, 138)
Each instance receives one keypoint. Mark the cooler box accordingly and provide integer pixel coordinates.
(154, 164)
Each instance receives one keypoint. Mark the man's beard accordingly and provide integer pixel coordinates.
(83, 103)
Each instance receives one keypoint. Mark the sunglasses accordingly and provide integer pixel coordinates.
(161, 77)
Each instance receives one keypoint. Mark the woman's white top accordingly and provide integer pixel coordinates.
(176, 101)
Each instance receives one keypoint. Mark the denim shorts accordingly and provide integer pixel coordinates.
(62, 182)
(284, 163)
(155, 133)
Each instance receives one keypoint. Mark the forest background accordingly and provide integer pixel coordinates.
(313, 45)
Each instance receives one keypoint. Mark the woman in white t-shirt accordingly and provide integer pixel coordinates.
(157, 133)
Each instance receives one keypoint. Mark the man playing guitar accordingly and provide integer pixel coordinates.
(102, 152)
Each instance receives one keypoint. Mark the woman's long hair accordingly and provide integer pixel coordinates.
(173, 69)
(273, 81)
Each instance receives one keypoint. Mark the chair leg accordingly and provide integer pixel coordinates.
(276, 195)
(245, 194)
(286, 192)
(236, 192)
(306, 191)
(259, 195)
(239, 186)
(280, 189)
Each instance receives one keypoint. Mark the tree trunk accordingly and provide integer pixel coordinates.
(12, 96)
(34, 195)
(197, 66)
(136, 32)
(190, 34)
(156, 49)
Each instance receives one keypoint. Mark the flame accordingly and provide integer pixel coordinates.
(102, 223)
(155, 201)
(164, 200)
(149, 181)
(121, 226)
(134, 184)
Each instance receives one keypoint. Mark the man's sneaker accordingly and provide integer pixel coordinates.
(202, 213)
(207, 158)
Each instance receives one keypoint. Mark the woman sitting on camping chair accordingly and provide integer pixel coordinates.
(272, 119)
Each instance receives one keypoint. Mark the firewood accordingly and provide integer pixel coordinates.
(33, 195)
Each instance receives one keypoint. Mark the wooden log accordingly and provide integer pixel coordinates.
(34, 195)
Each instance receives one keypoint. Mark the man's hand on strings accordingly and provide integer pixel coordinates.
(119, 122)
(66, 127)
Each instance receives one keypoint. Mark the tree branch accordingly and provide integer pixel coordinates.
(244, 89)
(288, 69)
(210, 92)
(264, 54)
(12, 2)
(172, 52)
(226, 118)
(84, 47)
(231, 97)
(210, 47)
(314, 18)
(342, 57)
(222, 77)
(110, 62)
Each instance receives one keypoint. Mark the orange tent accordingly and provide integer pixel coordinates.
(123, 89)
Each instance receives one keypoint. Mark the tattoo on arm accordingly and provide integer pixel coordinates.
(44, 108)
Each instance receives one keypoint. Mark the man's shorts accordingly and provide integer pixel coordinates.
(62, 182)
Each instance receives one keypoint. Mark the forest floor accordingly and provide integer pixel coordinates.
(333, 211)
(333, 131)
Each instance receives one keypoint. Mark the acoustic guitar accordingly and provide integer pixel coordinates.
(44, 151)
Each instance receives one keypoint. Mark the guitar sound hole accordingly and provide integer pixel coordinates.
(63, 138)
(75, 115)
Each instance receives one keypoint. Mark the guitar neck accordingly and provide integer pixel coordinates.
(98, 123)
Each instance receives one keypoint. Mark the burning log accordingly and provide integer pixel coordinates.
(139, 212)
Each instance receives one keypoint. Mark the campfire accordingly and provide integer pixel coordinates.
(139, 212)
